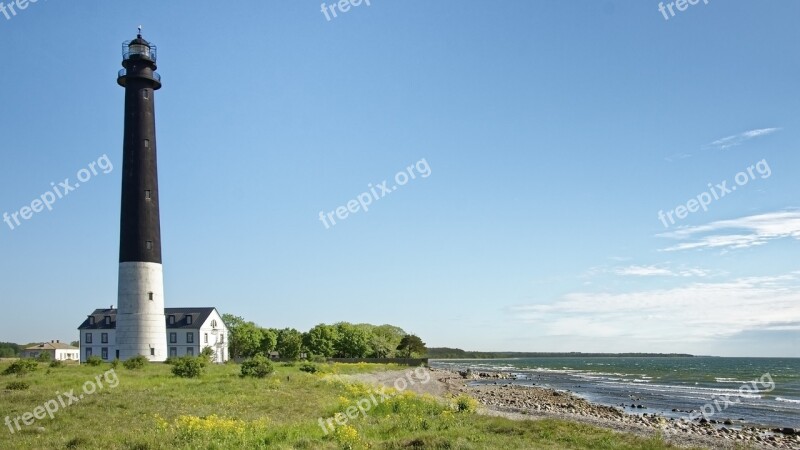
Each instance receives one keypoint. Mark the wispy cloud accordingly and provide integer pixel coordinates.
(690, 313)
(738, 139)
(744, 232)
(650, 271)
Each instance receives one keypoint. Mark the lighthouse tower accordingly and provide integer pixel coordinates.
(141, 326)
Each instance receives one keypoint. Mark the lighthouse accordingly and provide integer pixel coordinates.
(140, 322)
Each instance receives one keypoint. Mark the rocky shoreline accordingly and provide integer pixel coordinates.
(519, 402)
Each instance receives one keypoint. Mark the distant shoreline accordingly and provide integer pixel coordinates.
(455, 353)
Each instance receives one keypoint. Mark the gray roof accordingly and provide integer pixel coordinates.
(51, 346)
(199, 315)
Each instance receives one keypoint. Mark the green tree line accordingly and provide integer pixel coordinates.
(340, 340)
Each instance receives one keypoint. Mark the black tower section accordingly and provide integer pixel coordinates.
(140, 224)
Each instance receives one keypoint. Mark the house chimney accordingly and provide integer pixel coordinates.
(58, 341)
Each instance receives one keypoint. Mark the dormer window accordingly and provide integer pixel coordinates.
(188, 320)
(107, 320)
(91, 320)
(171, 320)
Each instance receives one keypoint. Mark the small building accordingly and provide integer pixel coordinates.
(189, 332)
(58, 351)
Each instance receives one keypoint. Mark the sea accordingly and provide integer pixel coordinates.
(746, 391)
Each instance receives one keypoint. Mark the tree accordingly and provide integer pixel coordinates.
(75, 343)
(269, 340)
(411, 345)
(232, 322)
(289, 344)
(245, 340)
(321, 340)
(385, 339)
(352, 342)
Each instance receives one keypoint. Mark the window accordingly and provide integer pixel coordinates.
(173, 352)
(145, 94)
(152, 352)
(205, 338)
(149, 295)
(171, 320)
(148, 245)
(88, 352)
(147, 195)
(189, 351)
(147, 143)
(214, 323)
(104, 352)
(91, 320)
(107, 320)
(173, 338)
(188, 320)
(88, 338)
(104, 338)
(190, 338)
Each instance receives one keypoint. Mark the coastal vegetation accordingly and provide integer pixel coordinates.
(151, 408)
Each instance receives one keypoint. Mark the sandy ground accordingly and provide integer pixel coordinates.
(441, 383)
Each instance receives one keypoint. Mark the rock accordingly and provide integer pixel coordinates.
(728, 422)
(788, 431)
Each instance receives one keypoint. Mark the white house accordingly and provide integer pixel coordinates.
(57, 350)
(189, 331)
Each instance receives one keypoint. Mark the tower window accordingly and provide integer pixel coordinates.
(147, 195)
(152, 352)
(149, 295)
(147, 143)
(145, 94)
(149, 245)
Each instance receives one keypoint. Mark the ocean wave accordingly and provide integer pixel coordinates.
(787, 400)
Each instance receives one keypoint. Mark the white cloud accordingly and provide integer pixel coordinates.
(744, 232)
(691, 313)
(652, 270)
(738, 139)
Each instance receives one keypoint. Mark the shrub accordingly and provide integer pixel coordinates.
(115, 363)
(94, 360)
(258, 366)
(136, 362)
(56, 363)
(207, 354)
(21, 367)
(318, 359)
(188, 367)
(288, 364)
(465, 403)
(171, 360)
(309, 367)
(44, 357)
(18, 385)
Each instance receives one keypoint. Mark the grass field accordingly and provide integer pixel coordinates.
(150, 408)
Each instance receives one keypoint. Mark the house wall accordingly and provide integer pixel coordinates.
(96, 346)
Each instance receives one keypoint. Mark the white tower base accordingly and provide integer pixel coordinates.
(141, 325)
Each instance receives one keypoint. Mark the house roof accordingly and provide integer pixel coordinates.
(199, 316)
(51, 346)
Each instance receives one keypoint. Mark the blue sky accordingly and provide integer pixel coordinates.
(554, 132)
